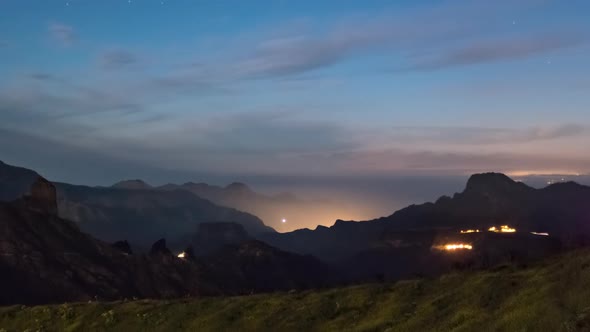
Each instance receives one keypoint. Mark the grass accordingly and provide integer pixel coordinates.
(553, 296)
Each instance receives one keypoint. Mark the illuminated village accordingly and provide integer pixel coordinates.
(494, 229)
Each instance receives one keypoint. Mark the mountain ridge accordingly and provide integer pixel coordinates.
(113, 214)
(47, 259)
(489, 199)
(132, 184)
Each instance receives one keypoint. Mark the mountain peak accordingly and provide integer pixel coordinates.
(160, 248)
(491, 182)
(191, 184)
(238, 187)
(132, 184)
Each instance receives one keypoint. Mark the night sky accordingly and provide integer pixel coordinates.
(97, 91)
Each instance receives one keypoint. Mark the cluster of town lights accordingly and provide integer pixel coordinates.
(494, 229)
(502, 229)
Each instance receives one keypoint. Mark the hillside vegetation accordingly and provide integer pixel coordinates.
(552, 296)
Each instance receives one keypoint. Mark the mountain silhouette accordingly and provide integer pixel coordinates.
(132, 184)
(129, 211)
(47, 259)
(270, 208)
(404, 244)
(488, 200)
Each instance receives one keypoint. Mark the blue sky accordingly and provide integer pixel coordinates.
(294, 88)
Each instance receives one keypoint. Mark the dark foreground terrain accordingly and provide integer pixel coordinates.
(551, 296)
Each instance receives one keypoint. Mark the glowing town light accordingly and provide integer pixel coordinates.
(457, 246)
(506, 229)
(540, 234)
(182, 255)
(502, 229)
(470, 231)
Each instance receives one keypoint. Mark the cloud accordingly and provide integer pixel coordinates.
(140, 117)
(498, 50)
(281, 142)
(274, 133)
(84, 166)
(118, 59)
(568, 130)
(452, 37)
(54, 101)
(476, 135)
(293, 55)
(62, 33)
(400, 161)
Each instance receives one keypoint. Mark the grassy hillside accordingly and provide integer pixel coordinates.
(553, 296)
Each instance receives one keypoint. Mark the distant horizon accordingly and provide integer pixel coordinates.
(367, 198)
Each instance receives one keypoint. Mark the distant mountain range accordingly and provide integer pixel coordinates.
(489, 199)
(270, 208)
(140, 216)
(47, 259)
(493, 220)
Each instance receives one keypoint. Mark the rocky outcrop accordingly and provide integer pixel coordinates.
(130, 211)
(160, 248)
(15, 182)
(45, 259)
(493, 184)
(42, 197)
